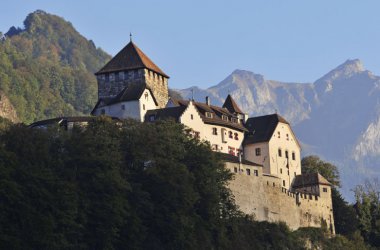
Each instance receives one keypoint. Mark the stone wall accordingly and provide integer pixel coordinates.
(159, 86)
(265, 199)
(110, 85)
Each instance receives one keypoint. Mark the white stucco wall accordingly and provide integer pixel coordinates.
(146, 103)
(192, 119)
(273, 163)
(131, 109)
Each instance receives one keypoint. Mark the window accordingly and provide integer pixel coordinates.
(287, 137)
(288, 172)
(107, 77)
(234, 120)
(208, 115)
(255, 172)
(258, 151)
(279, 152)
(143, 106)
(151, 118)
(293, 156)
(103, 111)
(295, 174)
(123, 107)
(214, 147)
(230, 134)
(278, 134)
(286, 154)
(224, 118)
(325, 190)
(117, 76)
(191, 117)
(248, 171)
(236, 136)
(235, 169)
(280, 170)
(231, 150)
(283, 183)
(215, 131)
(146, 95)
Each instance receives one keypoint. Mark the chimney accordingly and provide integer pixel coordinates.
(208, 100)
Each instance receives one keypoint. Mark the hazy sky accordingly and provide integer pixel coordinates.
(200, 42)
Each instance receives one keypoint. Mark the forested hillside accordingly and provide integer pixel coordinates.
(46, 68)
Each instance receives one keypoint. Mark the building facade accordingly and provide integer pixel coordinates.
(262, 152)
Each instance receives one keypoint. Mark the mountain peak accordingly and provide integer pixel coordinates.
(343, 71)
(351, 66)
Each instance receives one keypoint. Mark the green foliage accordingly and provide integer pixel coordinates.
(46, 69)
(125, 185)
(367, 208)
(313, 164)
(345, 219)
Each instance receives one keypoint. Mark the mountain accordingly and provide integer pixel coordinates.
(46, 68)
(257, 95)
(336, 117)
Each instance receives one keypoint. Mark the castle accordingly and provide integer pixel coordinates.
(262, 152)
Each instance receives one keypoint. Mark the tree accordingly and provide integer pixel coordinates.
(367, 207)
(313, 164)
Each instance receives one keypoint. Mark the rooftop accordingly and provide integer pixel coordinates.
(129, 58)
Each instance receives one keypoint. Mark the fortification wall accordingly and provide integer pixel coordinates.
(263, 197)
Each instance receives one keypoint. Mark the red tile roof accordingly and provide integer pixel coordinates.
(130, 57)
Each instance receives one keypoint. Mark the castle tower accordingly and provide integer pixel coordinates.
(132, 67)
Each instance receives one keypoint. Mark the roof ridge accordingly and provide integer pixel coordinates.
(130, 57)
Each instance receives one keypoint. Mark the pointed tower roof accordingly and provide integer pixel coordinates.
(231, 105)
(130, 57)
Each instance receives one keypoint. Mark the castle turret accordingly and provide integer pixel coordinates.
(132, 67)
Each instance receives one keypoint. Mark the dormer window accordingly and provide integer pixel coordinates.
(225, 118)
(208, 115)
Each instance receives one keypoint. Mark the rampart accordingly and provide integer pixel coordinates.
(263, 197)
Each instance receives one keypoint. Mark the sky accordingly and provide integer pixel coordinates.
(201, 42)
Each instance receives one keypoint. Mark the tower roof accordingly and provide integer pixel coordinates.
(231, 105)
(130, 57)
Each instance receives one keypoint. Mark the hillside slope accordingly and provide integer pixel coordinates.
(46, 68)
